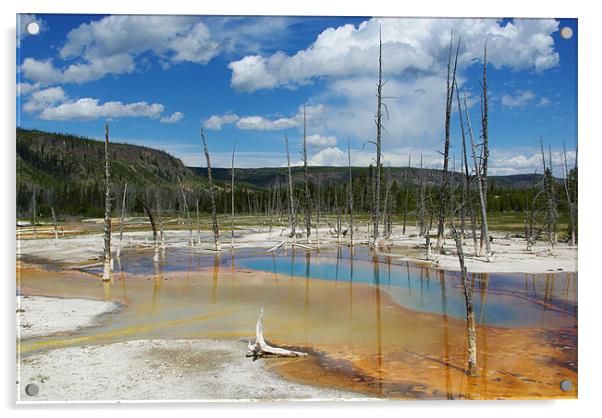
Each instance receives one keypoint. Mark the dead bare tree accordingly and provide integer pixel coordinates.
(211, 194)
(484, 224)
(232, 202)
(379, 104)
(386, 203)
(451, 82)
(350, 195)
(422, 204)
(548, 189)
(466, 198)
(34, 210)
(291, 207)
(471, 369)
(107, 261)
(161, 230)
(406, 196)
(186, 211)
(307, 205)
(56, 231)
(121, 224)
(485, 148)
(198, 222)
(569, 200)
(151, 218)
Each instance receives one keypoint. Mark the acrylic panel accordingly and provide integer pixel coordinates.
(283, 208)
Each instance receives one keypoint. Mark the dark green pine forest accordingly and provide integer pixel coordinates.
(66, 173)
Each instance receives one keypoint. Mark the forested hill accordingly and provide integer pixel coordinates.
(47, 158)
(67, 173)
(269, 176)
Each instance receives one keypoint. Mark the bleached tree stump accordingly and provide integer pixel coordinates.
(261, 349)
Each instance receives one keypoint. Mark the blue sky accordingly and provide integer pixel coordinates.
(158, 79)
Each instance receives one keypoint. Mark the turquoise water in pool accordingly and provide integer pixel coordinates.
(501, 299)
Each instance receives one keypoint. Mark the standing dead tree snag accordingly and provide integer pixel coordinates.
(187, 211)
(451, 82)
(406, 196)
(211, 194)
(56, 230)
(107, 261)
(570, 200)
(485, 148)
(161, 230)
(291, 205)
(307, 205)
(151, 218)
(471, 370)
(121, 224)
(422, 201)
(232, 202)
(551, 216)
(484, 224)
(350, 195)
(379, 126)
(33, 211)
(466, 197)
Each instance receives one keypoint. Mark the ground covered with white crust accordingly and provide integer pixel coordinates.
(160, 370)
(38, 315)
(509, 253)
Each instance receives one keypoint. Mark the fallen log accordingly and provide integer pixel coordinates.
(275, 247)
(261, 349)
(294, 244)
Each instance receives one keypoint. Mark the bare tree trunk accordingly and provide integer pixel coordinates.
(471, 369)
(451, 81)
(56, 231)
(307, 205)
(422, 205)
(198, 222)
(484, 225)
(318, 209)
(161, 230)
(186, 211)
(569, 201)
(548, 188)
(211, 194)
(386, 204)
(291, 208)
(232, 203)
(485, 149)
(107, 262)
(379, 98)
(151, 218)
(125, 190)
(34, 210)
(575, 188)
(350, 195)
(406, 197)
(466, 191)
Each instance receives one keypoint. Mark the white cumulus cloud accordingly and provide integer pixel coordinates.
(318, 141)
(88, 108)
(409, 45)
(216, 122)
(175, 117)
(522, 98)
(41, 99)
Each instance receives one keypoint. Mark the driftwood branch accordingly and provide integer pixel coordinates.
(261, 349)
